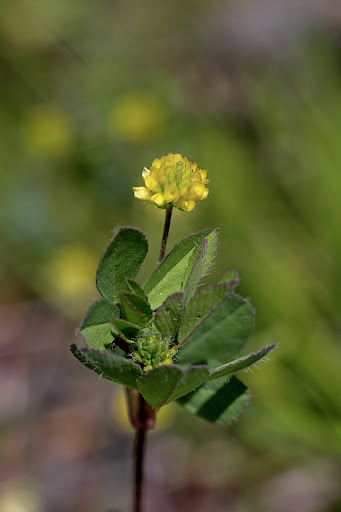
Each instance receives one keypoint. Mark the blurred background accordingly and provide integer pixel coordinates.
(93, 91)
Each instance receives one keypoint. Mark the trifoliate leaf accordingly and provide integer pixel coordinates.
(221, 335)
(200, 307)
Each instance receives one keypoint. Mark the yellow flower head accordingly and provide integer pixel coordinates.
(173, 180)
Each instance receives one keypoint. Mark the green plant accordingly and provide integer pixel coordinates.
(169, 340)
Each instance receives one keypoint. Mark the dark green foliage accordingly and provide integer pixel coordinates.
(170, 318)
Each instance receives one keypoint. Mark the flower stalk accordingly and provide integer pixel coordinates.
(165, 233)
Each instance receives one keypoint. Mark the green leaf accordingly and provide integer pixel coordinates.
(135, 309)
(126, 330)
(164, 384)
(167, 316)
(220, 402)
(122, 258)
(107, 365)
(222, 335)
(212, 240)
(231, 276)
(134, 287)
(96, 327)
(243, 362)
(200, 307)
(169, 276)
(196, 272)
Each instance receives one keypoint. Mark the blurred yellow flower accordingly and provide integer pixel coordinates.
(47, 131)
(173, 181)
(67, 279)
(137, 118)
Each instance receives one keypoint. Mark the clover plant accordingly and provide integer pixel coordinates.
(170, 338)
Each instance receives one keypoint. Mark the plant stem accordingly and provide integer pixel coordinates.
(139, 448)
(142, 415)
(165, 233)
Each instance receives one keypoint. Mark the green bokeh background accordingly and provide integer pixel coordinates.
(91, 92)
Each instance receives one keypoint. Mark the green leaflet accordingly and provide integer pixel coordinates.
(232, 276)
(96, 327)
(167, 316)
(212, 239)
(126, 330)
(222, 335)
(169, 276)
(122, 258)
(107, 365)
(219, 402)
(196, 271)
(200, 307)
(243, 362)
(135, 309)
(134, 287)
(165, 384)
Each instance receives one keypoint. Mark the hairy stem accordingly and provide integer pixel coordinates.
(165, 233)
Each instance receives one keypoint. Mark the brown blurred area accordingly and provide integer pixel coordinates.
(91, 92)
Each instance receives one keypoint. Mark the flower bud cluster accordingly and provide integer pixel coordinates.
(173, 181)
(152, 350)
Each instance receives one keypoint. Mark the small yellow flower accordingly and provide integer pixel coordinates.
(173, 181)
